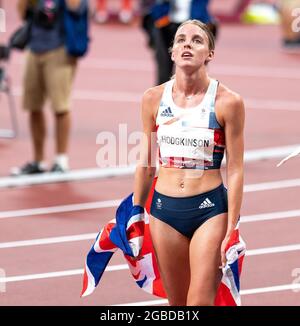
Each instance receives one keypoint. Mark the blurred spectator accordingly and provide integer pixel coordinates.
(168, 15)
(147, 22)
(49, 73)
(154, 40)
(125, 13)
(290, 22)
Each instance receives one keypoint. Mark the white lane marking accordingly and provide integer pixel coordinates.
(253, 252)
(270, 216)
(255, 71)
(40, 276)
(268, 153)
(60, 209)
(276, 288)
(44, 241)
(273, 185)
(74, 175)
(261, 104)
(162, 301)
(135, 97)
(143, 303)
(100, 173)
(92, 236)
(44, 211)
(269, 289)
(272, 250)
(220, 69)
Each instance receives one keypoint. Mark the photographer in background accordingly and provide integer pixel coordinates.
(168, 15)
(49, 73)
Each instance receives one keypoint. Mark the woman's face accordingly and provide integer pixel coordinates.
(190, 48)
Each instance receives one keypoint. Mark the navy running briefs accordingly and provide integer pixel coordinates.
(187, 214)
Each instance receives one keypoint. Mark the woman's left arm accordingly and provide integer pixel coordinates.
(234, 120)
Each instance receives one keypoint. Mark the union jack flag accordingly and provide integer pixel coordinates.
(130, 233)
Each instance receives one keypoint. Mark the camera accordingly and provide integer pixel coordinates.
(47, 13)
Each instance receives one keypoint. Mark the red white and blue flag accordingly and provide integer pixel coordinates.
(130, 233)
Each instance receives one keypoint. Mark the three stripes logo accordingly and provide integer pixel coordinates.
(167, 113)
(206, 204)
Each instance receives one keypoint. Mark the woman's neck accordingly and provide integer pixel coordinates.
(192, 84)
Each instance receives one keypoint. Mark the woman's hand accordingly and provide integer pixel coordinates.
(223, 252)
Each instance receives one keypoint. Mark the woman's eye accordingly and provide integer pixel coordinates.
(197, 41)
(180, 40)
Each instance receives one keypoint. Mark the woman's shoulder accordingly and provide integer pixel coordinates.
(229, 105)
(228, 99)
(153, 94)
(151, 100)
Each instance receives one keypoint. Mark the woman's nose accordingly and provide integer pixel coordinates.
(187, 44)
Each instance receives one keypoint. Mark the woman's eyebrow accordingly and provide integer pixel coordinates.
(197, 36)
(194, 36)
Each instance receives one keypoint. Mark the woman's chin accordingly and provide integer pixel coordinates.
(188, 67)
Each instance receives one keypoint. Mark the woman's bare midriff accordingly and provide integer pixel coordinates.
(176, 182)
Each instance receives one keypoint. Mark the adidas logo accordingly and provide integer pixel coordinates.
(206, 204)
(167, 113)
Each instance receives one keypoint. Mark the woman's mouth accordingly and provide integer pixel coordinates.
(187, 54)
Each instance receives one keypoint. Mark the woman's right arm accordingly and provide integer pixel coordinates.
(145, 170)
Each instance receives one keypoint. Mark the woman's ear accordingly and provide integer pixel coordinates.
(209, 58)
(172, 54)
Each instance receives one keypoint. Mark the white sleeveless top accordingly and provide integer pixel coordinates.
(190, 137)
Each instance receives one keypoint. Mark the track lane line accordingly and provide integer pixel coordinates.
(136, 97)
(60, 209)
(101, 173)
(119, 267)
(92, 236)
(51, 240)
(71, 272)
(244, 219)
(220, 69)
(273, 185)
(270, 216)
(269, 289)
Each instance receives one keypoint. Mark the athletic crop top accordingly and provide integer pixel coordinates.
(189, 138)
